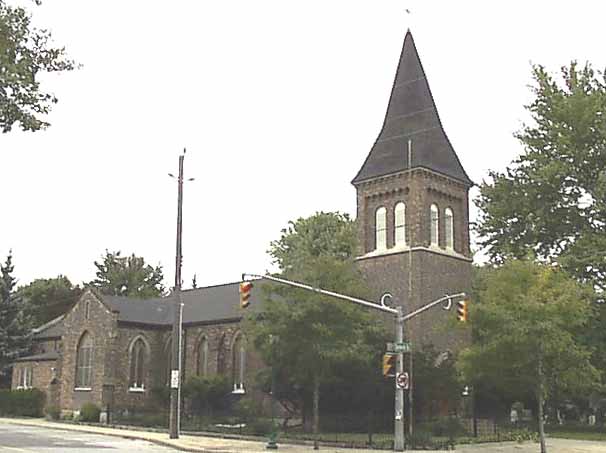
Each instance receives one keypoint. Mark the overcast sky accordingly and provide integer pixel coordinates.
(278, 103)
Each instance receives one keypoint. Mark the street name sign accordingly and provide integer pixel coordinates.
(397, 348)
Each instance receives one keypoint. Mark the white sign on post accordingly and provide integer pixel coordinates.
(402, 381)
(174, 379)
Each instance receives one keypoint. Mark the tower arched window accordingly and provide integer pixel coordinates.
(84, 362)
(138, 360)
(203, 357)
(400, 224)
(434, 225)
(449, 228)
(238, 363)
(381, 228)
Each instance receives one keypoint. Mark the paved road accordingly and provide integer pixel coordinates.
(29, 439)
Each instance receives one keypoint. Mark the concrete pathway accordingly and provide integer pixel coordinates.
(218, 445)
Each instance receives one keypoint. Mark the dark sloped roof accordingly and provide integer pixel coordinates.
(411, 115)
(51, 355)
(50, 330)
(209, 304)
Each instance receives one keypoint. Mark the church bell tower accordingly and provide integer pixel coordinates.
(412, 208)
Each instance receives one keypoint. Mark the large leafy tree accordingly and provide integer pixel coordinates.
(527, 328)
(128, 276)
(306, 335)
(25, 53)
(551, 201)
(15, 327)
(48, 298)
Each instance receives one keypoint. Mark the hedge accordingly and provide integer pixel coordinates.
(29, 403)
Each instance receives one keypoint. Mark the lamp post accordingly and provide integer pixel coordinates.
(177, 332)
(273, 435)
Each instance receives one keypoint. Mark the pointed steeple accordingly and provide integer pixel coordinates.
(411, 115)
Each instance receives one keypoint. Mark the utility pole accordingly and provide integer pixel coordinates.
(177, 333)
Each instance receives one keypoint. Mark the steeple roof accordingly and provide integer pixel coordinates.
(411, 115)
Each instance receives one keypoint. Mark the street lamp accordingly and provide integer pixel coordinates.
(273, 435)
(469, 391)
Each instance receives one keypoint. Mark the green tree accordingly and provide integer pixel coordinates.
(15, 327)
(25, 53)
(128, 276)
(527, 328)
(551, 201)
(304, 334)
(47, 298)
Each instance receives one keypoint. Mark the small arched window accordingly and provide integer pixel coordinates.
(238, 364)
(434, 225)
(203, 357)
(448, 228)
(137, 364)
(381, 228)
(84, 362)
(400, 224)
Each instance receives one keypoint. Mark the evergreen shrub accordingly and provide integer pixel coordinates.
(90, 412)
(26, 403)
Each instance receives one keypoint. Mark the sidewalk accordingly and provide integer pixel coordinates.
(184, 443)
(219, 445)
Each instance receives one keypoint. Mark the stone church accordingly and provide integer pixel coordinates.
(412, 212)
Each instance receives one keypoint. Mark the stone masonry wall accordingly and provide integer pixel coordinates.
(43, 373)
(101, 324)
(435, 270)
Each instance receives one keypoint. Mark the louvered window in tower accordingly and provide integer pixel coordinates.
(381, 228)
(448, 229)
(400, 224)
(434, 225)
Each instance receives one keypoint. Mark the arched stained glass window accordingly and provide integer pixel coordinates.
(167, 360)
(137, 364)
(381, 228)
(238, 363)
(203, 357)
(84, 362)
(449, 228)
(400, 224)
(434, 225)
(221, 356)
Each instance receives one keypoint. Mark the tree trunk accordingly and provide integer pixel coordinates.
(540, 389)
(316, 410)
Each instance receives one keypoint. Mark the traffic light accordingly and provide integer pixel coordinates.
(389, 365)
(245, 289)
(462, 310)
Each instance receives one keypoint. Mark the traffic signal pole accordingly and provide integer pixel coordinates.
(400, 319)
(398, 444)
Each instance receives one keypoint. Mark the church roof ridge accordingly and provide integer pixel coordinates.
(411, 112)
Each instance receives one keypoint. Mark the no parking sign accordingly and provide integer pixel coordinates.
(402, 381)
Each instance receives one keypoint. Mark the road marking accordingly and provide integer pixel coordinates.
(18, 450)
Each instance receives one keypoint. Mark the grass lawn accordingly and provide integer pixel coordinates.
(578, 435)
